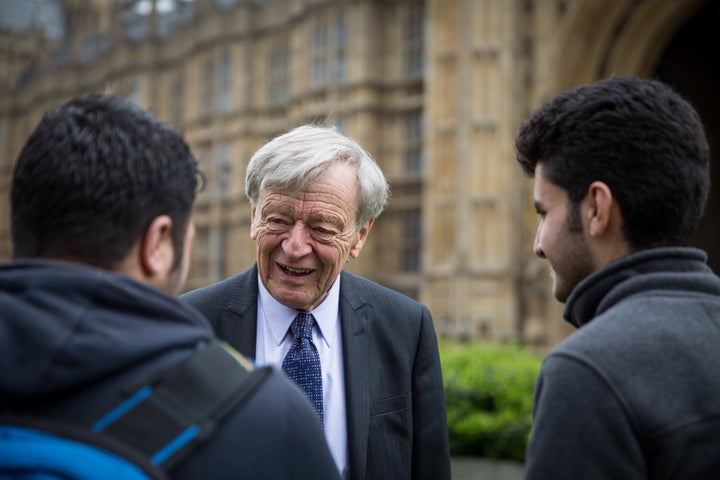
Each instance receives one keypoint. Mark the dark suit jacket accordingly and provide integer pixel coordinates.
(396, 420)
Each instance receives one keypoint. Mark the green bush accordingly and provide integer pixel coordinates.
(488, 394)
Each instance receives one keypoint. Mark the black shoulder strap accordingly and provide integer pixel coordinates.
(167, 417)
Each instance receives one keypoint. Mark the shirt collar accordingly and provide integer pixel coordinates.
(279, 317)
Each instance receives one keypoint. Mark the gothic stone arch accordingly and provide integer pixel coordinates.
(616, 38)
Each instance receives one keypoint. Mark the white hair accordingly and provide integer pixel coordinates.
(294, 159)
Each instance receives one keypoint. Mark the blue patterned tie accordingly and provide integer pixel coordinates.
(302, 362)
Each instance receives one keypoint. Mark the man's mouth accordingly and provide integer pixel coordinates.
(294, 271)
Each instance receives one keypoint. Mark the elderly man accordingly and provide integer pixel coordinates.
(366, 356)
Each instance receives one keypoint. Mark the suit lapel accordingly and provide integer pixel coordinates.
(356, 319)
(238, 326)
(238, 319)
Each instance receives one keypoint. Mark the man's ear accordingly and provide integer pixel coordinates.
(361, 237)
(156, 248)
(602, 209)
(253, 226)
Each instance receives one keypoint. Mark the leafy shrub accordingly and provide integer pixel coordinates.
(488, 394)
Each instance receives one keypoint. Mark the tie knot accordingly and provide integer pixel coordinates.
(302, 326)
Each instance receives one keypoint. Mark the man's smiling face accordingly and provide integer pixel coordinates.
(305, 240)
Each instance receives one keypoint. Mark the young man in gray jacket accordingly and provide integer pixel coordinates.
(621, 180)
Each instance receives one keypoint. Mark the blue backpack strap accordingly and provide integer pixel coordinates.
(140, 436)
(180, 409)
(36, 448)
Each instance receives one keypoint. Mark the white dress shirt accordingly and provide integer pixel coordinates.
(274, 340)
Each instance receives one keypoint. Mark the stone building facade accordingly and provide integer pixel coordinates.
(434, 89)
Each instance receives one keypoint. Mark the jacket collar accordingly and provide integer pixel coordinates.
(663, 267)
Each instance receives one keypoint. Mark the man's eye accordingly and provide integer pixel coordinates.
(277, 224)
(322, 234)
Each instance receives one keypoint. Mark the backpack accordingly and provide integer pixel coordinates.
(146, 432)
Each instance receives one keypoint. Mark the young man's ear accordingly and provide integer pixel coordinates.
(601, 209)
(605, 225)
(156, 248)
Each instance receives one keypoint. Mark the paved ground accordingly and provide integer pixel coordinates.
(468, 468)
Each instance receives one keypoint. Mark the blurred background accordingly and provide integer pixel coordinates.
(434, 89)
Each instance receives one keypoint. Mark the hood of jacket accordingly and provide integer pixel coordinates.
(63, 326)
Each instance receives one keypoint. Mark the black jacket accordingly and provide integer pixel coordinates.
(72, 336)
(395, 403)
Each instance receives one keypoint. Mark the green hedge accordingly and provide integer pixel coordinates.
(488, 394)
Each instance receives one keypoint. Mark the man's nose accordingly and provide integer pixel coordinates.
(297, 244)
(537, 245)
